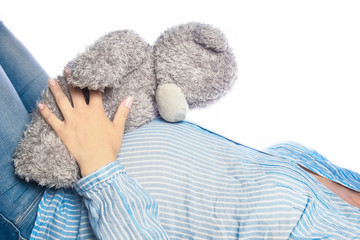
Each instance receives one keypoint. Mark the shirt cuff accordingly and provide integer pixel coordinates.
(109, 171)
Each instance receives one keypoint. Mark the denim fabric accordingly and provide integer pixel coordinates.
(24, 72)
(21, 82)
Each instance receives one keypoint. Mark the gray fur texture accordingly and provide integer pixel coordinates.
(194, 56)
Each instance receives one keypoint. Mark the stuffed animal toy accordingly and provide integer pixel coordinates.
(189, 66)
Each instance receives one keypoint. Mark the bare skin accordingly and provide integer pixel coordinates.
(348, 195)
(91, 138)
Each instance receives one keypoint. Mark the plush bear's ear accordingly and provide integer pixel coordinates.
(210, 37)
(108, 60)
(197, 59)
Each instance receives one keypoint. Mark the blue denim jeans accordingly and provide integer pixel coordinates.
(21, 82)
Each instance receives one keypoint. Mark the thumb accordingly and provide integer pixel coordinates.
(122, 113)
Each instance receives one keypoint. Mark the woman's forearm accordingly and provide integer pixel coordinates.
(118, 207)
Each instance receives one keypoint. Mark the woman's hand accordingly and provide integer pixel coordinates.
(92, 139)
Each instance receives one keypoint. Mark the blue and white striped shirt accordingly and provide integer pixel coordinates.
(184, 182)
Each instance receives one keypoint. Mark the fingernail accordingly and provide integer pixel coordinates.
(67, 71)
(128, 102)
(52, 82)
(40, 106)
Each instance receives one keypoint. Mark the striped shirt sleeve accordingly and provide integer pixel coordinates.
(118, 207)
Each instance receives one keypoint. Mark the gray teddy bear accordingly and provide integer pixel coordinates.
(190, 65)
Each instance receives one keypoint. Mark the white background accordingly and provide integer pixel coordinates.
(298, 61)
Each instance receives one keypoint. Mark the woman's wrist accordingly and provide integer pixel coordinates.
(109, 171)
(94, 164)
